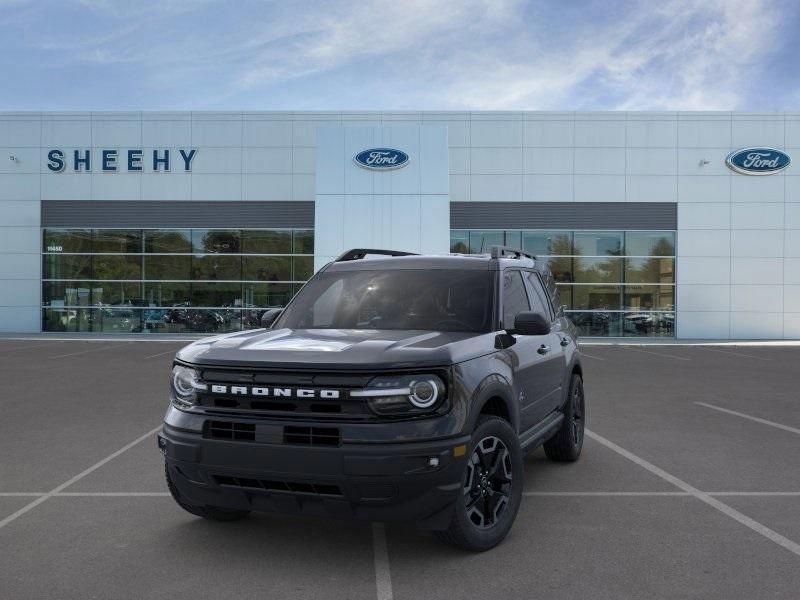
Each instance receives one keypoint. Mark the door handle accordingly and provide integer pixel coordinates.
(543, 349)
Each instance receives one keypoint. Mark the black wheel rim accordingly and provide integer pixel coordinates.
(487, 486)
(578, 409)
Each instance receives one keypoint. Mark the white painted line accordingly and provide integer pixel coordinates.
(656, 494)
(161, 353)
(657, 353)
(750, 418)
(756, 494)
(742, 354)
(734, 514)
(605, 494)
(21, 494)
(89, 350)
(56, 490)
(591, 356)
(112, 495)
(383, 577)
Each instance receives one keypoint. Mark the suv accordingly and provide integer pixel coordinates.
(393, 388)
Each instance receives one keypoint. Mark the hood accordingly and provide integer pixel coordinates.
(338, 349)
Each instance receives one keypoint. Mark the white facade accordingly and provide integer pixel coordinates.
(738, 236)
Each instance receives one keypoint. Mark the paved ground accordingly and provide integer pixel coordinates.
(689, 487)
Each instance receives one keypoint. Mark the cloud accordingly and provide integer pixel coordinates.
(451, 54)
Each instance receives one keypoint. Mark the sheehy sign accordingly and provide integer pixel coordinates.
(134, 160)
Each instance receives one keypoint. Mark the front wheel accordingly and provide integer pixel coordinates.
(491, 488)
(566, 444)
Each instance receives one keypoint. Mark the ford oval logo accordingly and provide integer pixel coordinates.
(381, 159)
(758, 161)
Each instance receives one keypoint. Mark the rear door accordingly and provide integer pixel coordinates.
(554, 359)
(530, 379)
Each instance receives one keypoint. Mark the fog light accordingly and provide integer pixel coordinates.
(433, 461)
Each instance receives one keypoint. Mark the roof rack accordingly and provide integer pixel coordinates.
(359, 253)
(507, 251)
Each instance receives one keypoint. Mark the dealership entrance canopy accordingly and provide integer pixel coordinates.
(654, 224)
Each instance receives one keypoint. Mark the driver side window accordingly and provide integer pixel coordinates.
(515, 298)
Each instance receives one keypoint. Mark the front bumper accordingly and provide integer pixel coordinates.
(410, 481)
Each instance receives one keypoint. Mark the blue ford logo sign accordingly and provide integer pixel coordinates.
(758, 161)
(381, 159)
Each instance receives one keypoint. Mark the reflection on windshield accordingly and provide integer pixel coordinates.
(437, 300)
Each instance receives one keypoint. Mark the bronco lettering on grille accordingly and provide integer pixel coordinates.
(274, 392)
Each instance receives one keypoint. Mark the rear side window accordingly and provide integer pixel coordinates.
(539, 302)
(515, 298)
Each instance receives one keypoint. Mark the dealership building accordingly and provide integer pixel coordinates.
(655, 225)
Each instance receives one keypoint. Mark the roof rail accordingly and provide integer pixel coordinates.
(507, 251)
(359, 253)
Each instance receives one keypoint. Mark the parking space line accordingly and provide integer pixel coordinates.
(742, 354)
(734, 514)
(656, 353)
(751, 418)
(112, 494)
(31, 505)
(591, 356)
(656, 494)
(605, 494)
(91, 350)
(383, 576)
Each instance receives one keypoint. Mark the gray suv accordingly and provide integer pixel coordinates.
(393, 387)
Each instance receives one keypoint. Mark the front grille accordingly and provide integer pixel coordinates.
(312, 436)
(285, 406)
(294, 487)
(229, 430)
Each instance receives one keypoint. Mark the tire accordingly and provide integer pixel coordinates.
(566, 444)
(214, 513)
(485, 510)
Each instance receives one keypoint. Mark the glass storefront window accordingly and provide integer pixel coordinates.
(105, 266)
(168, 241)
(226, 241)
(598, 243)
(650, 270)
(267, 268)
(118, 241)
(165, 267)
(169, 280)
(303, 241)
(596, 297)
(67, 240)
(217, 267)
(649, 297)
(267, 242)
(547, 243)
(650, 243)
(482, 241)
(598, 270)
(459, 242)
(67, 266)
(612, 283)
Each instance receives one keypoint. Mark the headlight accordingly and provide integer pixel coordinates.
(400, 395)
(185, 384)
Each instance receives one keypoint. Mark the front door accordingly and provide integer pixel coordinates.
(531, 380)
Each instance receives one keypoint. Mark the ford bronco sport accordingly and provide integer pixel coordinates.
(393, 388)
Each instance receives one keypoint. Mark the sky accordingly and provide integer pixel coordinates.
(400, 55)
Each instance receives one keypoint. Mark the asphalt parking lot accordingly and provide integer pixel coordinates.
(689, 487)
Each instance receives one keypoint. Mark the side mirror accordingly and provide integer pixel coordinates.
(268, 318)
(531, 323)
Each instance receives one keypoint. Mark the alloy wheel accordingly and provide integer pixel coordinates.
(487, 486)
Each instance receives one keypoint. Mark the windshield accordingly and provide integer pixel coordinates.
(437, 300)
